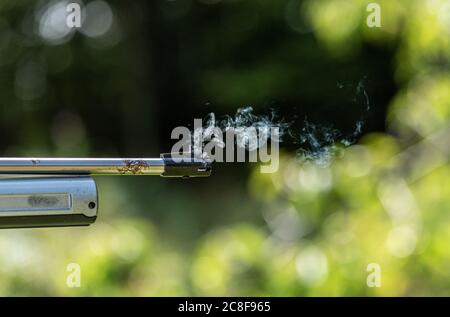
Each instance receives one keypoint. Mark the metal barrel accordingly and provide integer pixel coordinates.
(166, 166)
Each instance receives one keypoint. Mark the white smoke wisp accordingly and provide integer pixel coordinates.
(319, 143)
(252, 131)
(245, 118)
(362, 94)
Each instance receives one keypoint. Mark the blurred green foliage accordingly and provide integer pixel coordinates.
(304, 230)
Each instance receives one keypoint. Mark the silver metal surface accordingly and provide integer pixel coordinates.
(165, 166)
(54, 192)
(93, 166)
(75, 195)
